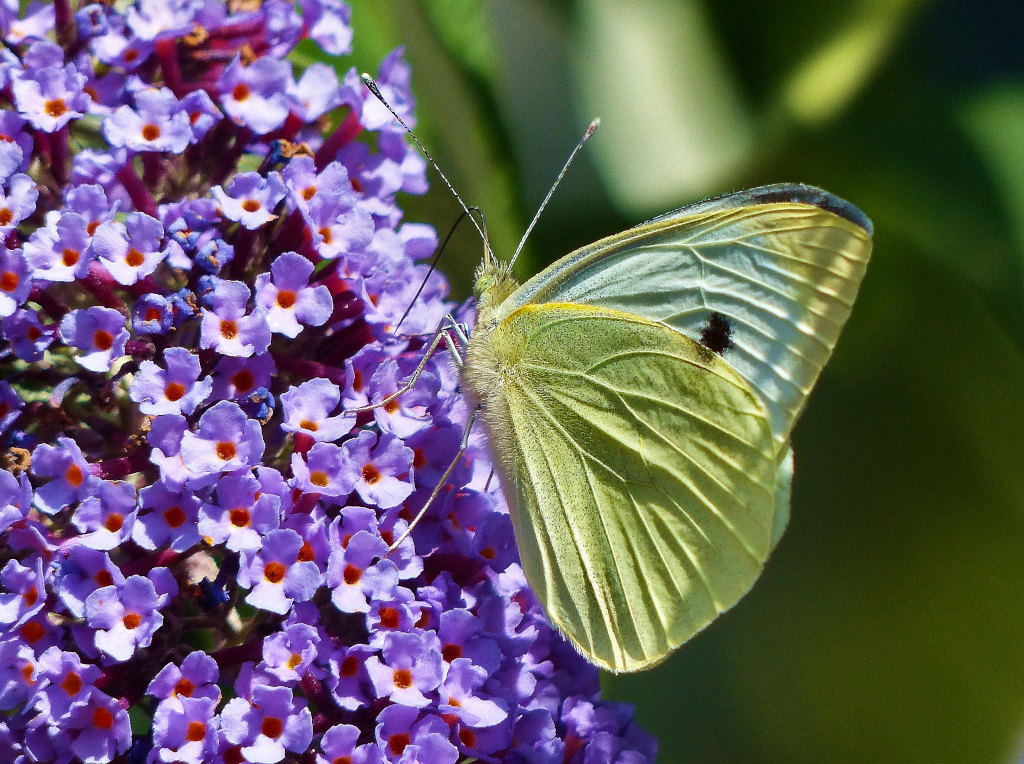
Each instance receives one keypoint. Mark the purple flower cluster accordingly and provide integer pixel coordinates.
(202, 265)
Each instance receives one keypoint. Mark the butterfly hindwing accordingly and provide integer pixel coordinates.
(643, 471)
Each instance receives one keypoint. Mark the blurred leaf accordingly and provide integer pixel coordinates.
(823, 84)
(994, 119)
(462, 27)
(673, 121)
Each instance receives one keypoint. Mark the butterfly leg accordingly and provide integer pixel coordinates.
(444, 333)
(441, 481)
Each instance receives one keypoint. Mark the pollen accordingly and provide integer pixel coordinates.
(228, 329)
(102, 340)
(274, 572)
(134, 258)
(402, 679)
(272, 727)
(71, 684)
(102, 719)
(174, 517)
(74, 475)
(243, 381)
(174, 391)
(319, 478)
(55, 107)
(352, 574)
(371, 474)
(226, 450)
(29, 596)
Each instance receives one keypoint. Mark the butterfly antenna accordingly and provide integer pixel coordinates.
(437, 256)
(591, 129)
(372, 86)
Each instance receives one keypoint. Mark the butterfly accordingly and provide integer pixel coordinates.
(639, 396)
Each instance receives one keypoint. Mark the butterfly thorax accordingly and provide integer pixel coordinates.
(486, 367)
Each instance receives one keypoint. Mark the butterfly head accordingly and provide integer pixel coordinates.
(493, 282)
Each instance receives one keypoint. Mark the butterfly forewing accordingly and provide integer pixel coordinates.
(777, 267)
(641, 471)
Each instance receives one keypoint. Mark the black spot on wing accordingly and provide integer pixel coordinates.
(716, 333)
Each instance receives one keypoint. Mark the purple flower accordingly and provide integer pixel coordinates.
(407, 414)
(174, 390)
(15, 499)
(83, 571)
(186, 730)
(410, 666)
(28, 337)
(50, 97)
(65, 682)
(226, 440)
(227, 328)
(287, 298)
(23, 591)
(408, 737)
(131, 251)
(15, 145)
(189, 310)
(152, 314)
(270, 724)
(125, 617)
(256, 95)
(250, 198)
(242, 513)
(288, 654)
(72, 475)
(340, 744)
(383, 468)
(99, 333)
(15, 280)
(324, 471)
(195, 678)
(357, 573)
(168, 516)
(276, 575)
(107, 517)
(18, 198)
(157, 123)
(308, 407)
(61, 250)
(101, 728)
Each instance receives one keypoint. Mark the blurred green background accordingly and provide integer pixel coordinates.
(889, 624)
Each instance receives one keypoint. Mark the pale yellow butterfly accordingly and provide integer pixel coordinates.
(639, 396)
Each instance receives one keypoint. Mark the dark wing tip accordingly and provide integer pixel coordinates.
(784, 192)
